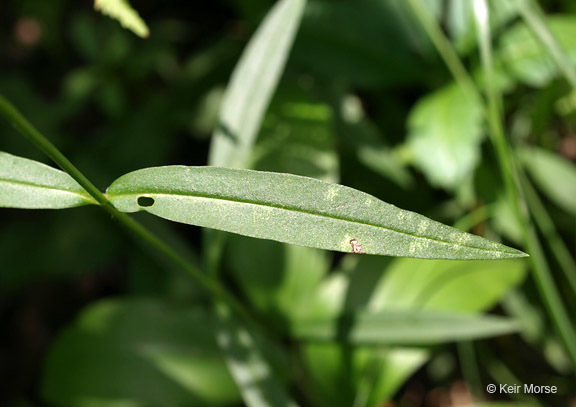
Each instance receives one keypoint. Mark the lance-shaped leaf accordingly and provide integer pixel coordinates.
(296, 210)
(252, 85)
(404, 327)
(29, 184)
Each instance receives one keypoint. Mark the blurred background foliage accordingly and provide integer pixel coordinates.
(90, 319)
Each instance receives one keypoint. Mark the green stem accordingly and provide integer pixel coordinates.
(546, 225)
(541, 271)
(470, 371)
(444, 48)
(136, 228)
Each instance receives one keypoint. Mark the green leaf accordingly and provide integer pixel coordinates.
(138, 353)
(445, 132)
(402, 285)
(414, 328)
(554, 175)
(245, 358)
(294, 209)
(252, 85)
(29, 184)
(122, 11)
(454, 286)
(527, 59)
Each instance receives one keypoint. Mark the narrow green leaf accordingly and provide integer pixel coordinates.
(406, 328)
(122, 11)
(256, 381)
(445, 132)
(553, 174)
(296, 210)
(401, 285)
(29, 184)
(252, 85)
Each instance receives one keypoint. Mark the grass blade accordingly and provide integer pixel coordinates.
(403, 328)
(542, 273)
(252, 85)
(296, 210)
(32, 185)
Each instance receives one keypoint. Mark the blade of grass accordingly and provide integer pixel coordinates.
(542, 273)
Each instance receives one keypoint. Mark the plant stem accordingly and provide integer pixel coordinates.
(546, 225)
(444, 48)
(136, 228)
(541, 271)
(469, 365)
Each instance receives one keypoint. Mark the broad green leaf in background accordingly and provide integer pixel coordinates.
(407, 328)
(402, 285)
(29, 184)
(294, 209)
(122, 11)
(553, 174)
(252, 85)
(444, 136)
(138, 353)
(524, 56)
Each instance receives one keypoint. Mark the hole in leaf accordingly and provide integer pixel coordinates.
(145, 201)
